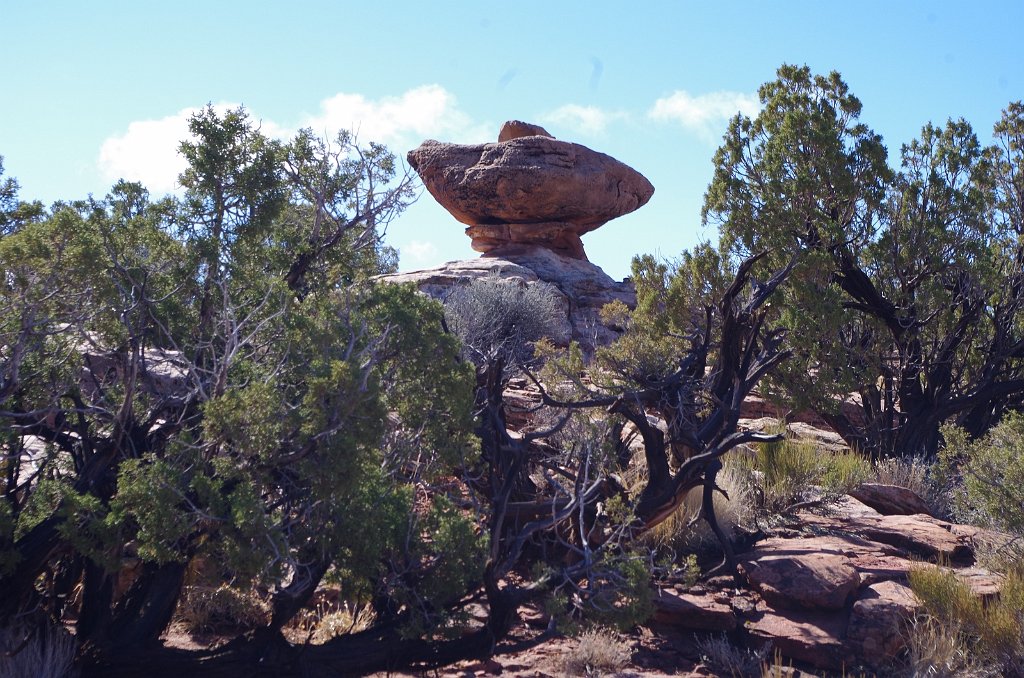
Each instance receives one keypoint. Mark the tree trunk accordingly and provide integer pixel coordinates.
(146, 609)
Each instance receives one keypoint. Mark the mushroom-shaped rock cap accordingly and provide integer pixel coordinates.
(529, 189)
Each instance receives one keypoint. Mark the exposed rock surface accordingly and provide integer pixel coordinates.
(814, 637)
(703, 612)
(581, 287)
(513, 129)
(809, 580)
(890, 499)
(878, 621)
(831, 590)
(529, 189)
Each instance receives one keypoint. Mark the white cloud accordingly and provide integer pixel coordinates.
(704, 114)
(148, 150)
(589, 120)
(401, 122)
(420, 251)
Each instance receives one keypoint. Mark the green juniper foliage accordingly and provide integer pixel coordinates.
(906, 289)
(214, 378)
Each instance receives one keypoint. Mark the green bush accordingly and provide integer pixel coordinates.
(986, 476)
(988, 632)
(790, 471)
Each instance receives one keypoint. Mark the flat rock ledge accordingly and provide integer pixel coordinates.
(832, 591)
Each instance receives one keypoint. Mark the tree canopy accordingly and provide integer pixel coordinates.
(905, 301)
(201, 379)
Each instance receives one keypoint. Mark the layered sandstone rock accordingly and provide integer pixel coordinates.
(832, 590)
(581, 288)
(526, 200)
(529, 189)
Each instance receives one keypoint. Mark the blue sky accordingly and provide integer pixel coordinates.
(98, 90)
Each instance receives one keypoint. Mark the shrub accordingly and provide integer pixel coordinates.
(990, 633)
(937, 649)
(39, 651)
(727, 659)
(502, 318)
(597, 651)
(678, 533)
(205, 608)
(991, 471)
(790, 471)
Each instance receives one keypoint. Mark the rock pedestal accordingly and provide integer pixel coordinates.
(525, 201)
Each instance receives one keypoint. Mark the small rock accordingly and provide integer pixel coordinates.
(808, 580)
(891, 499)
(513, 129)
(692, 611)
(919, 534)
(876, 631)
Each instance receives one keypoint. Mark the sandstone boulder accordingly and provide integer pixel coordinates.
(891, 500)
(800, 578)
(919, 535)
(811, 636)
(513, 129)
(699, 612)
(876, 632)
(532, 190)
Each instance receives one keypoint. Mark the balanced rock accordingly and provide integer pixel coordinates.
(513, 129)
(529, 189)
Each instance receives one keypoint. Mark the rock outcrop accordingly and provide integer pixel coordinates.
(526, 200)
(831, 590)
(513, 129)
(581, 287)
(529, 189)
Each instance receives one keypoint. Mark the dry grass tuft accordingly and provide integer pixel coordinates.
(727, 659)
(935, 649)
(327, 621)
(598, 652)
(959, 633)
(45, 651)
(205, 608)
(676, 532)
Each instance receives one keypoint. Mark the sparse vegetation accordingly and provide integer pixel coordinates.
(727, 659)
(598, 652)
(790, 471)
(326, 621)
(960, 630)
(203, 609)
